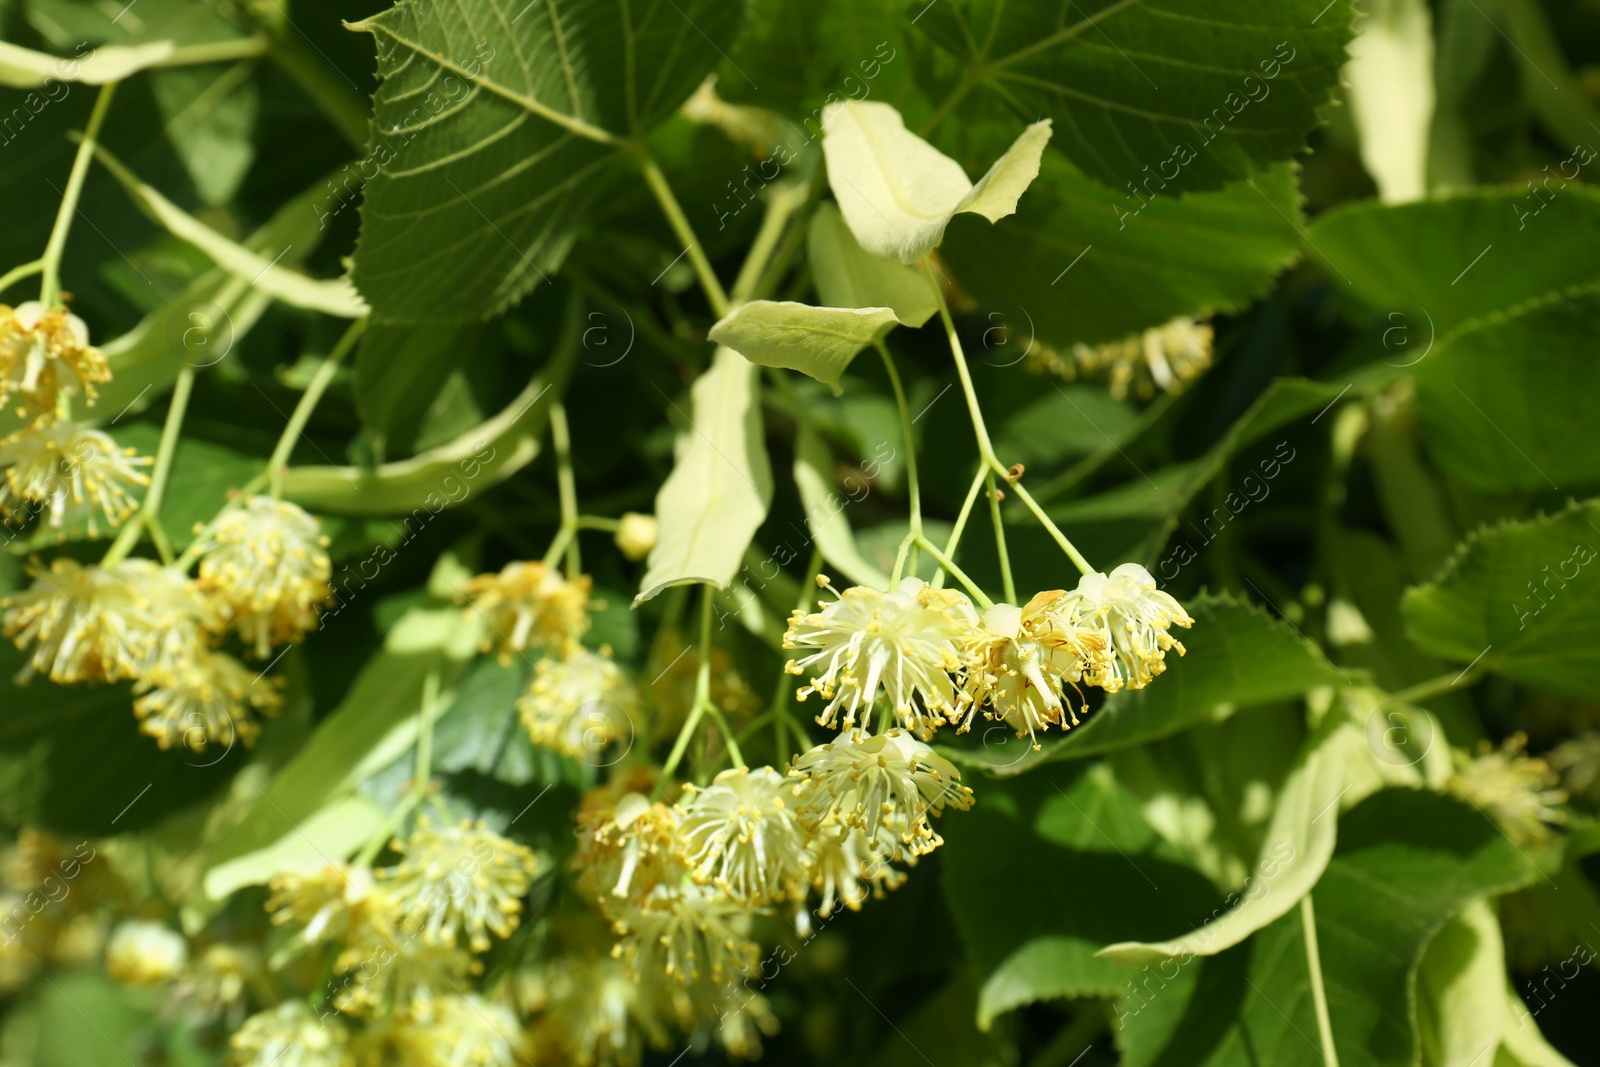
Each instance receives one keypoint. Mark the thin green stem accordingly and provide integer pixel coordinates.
(715, 296)
(782, 202)
(961, 519)
(425, 717)
(1435, 686)
(1007, 584)
(985, 445)
(16, 274)
(1319, 995)
(702, 689)
(50, 262)
(960, 575)
(278, 465)
(150, 509)
(599, 522)
(913, 488)
(382, 835)
(561, 438)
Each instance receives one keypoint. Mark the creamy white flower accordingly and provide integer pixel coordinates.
(267, 562)
(210, 697)
(327, 901)
(1020, 663)
(76, 477)
(687, 933)
(905, 643)
(579, 705)
(884, 785)
(461, 878)
(462, 1031)
(627, 849)
(145, 953)
(290, 1035)
(599, 1014)
(44, 353)
(1132, 616)
(529, 603)
(1519, 792)
(847, 867)
(134, 619)
(741, 834)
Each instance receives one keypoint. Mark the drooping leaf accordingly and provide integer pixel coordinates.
(334, 296)
(23, 68)
(1087, 263)
(720, 486)
(1461, 988)
(1155, 95)
(1407, 860)
(819, 341)
(1521, 599)
(825, 512)
(493, 127)
(898, 193)
(1505, 425)
(1238, 656)
(1048, 835)
(1299, 843)
(1461, 258)
(848, 276)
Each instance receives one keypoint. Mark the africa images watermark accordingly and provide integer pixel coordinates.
(1232, 506)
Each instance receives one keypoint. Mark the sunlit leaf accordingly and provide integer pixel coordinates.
(819, 341)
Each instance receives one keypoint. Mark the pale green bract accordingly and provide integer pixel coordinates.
(23, 68)
(848, 276)
(898, 192)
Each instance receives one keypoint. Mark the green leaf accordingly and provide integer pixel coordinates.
(23, 68)
(1407, 860)
(1461, 988)
(1461, 258)
(400, 370)
(331, 832)
(720, 486)
(492, 129)
(898, 193)
(848, 276)
(1298, 843)
(335, 296)
(1505, 425)
(1066, 421)
(817, 341)
(375, 721)
(1238, 656)
(1155, 94)
(825, 517)
(1051, 835)
(1086, 263)
(1523, 596)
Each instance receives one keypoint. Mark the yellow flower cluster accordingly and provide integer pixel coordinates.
(934, 661)
(1164, 358)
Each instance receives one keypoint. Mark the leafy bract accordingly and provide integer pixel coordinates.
(825, 518)
(23, 68)
(333, 297)
(1157, 93)
(1407, 860)
(720, 486)
(1237, 656)
(848, 276)
(491, 129)
(1298, 842)
(1521, 599)
(1504, 425)
(819, 341)
(898, 192)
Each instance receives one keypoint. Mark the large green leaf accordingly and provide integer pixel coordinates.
(1238, 656)
(1513, 424)
(720, 486)
(1049, 837)
(400, 370)
(1407, 860)
(1460, 258)
(491, 128)
(1521, 599)
(848, 276)
(1157, 94)
(1086, 263)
